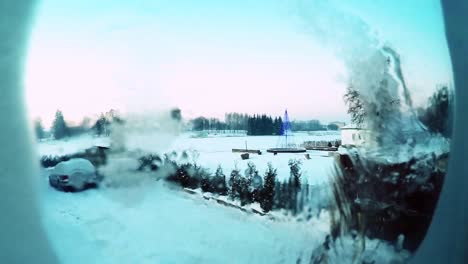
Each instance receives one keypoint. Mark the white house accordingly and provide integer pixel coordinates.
(352, 135)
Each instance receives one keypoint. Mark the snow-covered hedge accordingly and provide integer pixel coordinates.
(292, 196)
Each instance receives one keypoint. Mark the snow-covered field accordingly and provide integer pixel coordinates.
(216, 150)
(151, 222)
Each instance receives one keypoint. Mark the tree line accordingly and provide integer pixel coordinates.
(61, 128)
(253, 124)
(256, 124)
(232, 121)
(259, 125)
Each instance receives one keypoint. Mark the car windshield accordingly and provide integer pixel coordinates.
(241, 131)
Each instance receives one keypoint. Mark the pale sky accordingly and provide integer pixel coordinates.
(211, 57)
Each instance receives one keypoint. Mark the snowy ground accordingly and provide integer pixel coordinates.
(149, 222)
(152, 223)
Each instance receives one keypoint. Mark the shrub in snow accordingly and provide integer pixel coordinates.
(245, 194)
(96, 155)
(294, 184)
(283, 196)
(290, 196)
(214, 184)
(234, 184)
(151, 162)
(295, 172)
(206, 183)
(256, 189)
(385, 200)
(268, 190)
(250, 172)
(218, 182)
(187, 175)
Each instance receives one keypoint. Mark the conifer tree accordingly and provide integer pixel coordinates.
(234, 184)
(59, 126)
(268, 191)
(39, 129)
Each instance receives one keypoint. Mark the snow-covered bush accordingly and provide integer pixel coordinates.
(386, 200)
(96, 155)
(268, 191)
(234, 184)
(292, 196)
(151, 162)
(215, 184)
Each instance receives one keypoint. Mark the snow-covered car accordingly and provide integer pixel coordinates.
(73, 175)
